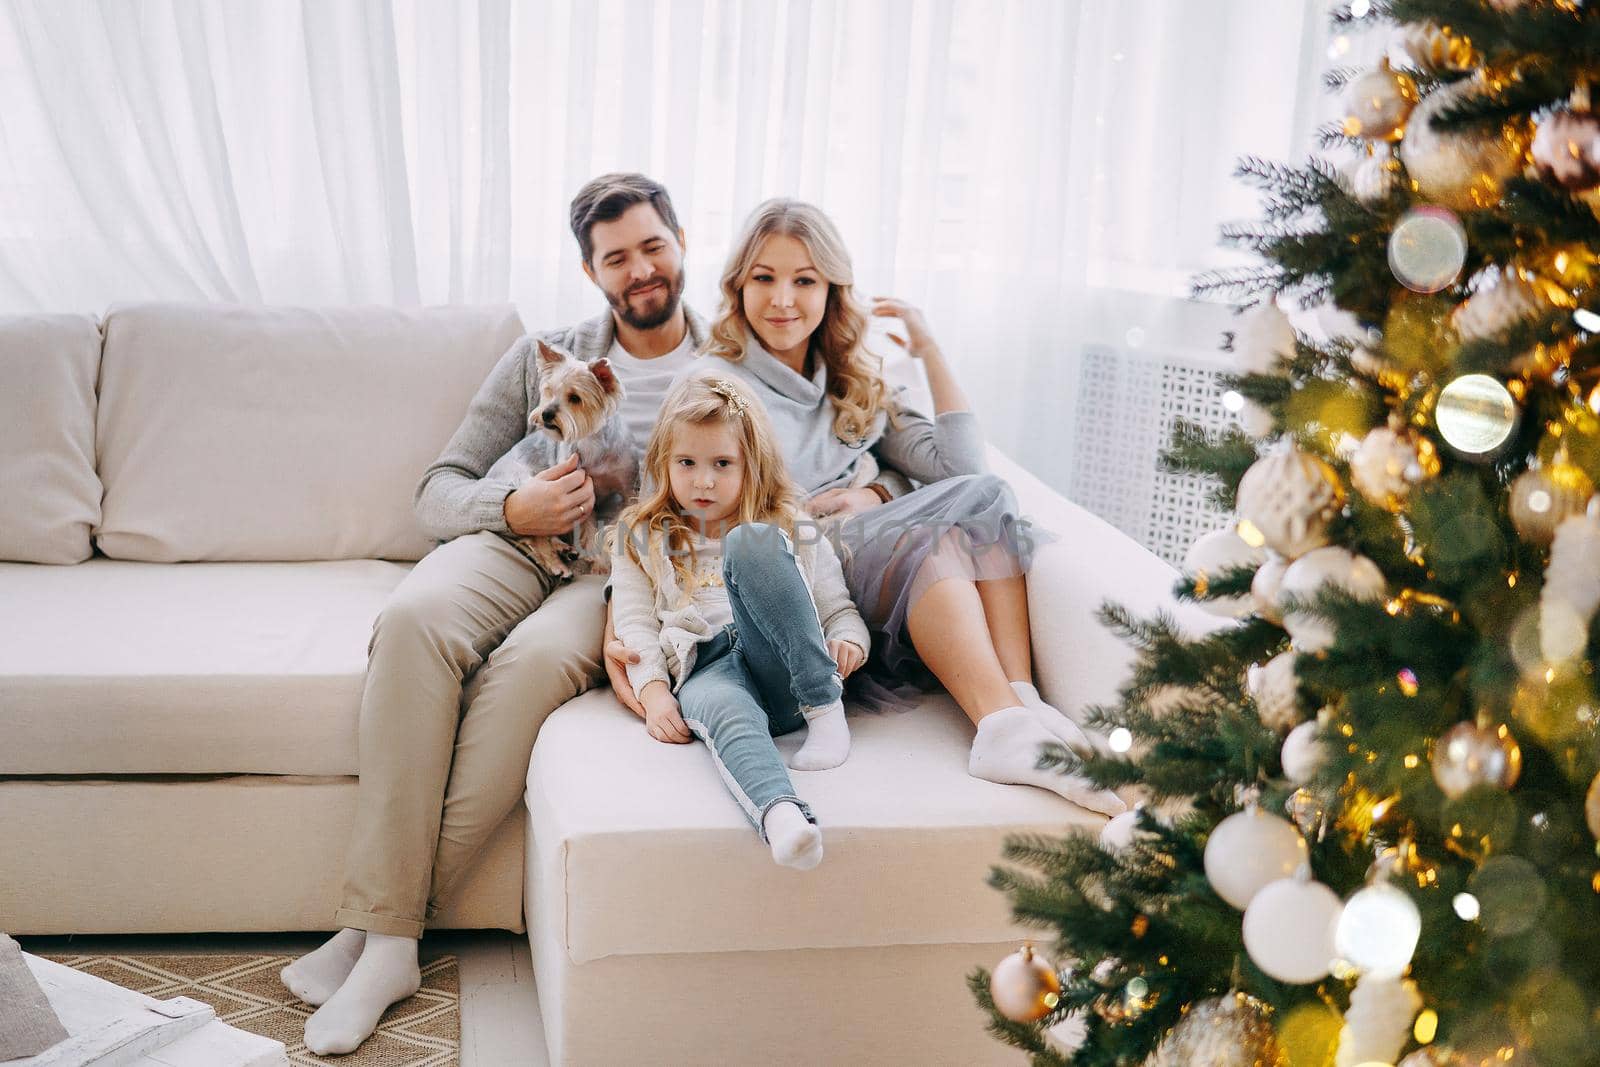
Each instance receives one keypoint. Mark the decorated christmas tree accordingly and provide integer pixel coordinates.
(1371, 803)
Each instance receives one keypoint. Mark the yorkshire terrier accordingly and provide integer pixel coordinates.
(579, 411)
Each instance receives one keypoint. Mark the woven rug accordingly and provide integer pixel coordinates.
(422, 1031)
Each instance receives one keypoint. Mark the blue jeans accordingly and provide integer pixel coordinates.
(753, 680)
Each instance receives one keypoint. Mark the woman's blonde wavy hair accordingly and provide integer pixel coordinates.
(855, 376)
(768, 495)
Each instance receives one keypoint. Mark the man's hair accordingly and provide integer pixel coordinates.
(608, 196)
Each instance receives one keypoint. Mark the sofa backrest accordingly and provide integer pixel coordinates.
(258, 433)
(48, 365)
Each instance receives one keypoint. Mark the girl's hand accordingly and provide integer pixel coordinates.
(918, 339)
(848, 655)
(617, 657)
(661, 718)
(842, 503)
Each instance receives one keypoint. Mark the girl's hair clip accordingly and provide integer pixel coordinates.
(729, 392)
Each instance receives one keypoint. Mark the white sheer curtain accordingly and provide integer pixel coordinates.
(1038, 174)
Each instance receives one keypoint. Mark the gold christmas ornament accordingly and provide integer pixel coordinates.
(1025, 986)
(1476, 416)
(1289, 498)
(1591, 807)
(1566, 150)
(1389, 463)
(1229, 1031)
(1377, 103)
(1461, 169)
(1470, 754)
(1434, 49)
(1543, 498)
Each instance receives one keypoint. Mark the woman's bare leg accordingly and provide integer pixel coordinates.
(950, 631)
(1005, 607)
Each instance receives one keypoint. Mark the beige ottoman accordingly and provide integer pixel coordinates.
(662, 931)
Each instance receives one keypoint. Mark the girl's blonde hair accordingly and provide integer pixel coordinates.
(855, 376)
(768, 494)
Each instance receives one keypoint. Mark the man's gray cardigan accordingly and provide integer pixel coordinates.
(453, 497)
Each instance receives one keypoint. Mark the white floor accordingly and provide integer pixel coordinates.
(500, 1022)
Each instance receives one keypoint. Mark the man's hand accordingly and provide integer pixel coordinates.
(617, 657)
(842, 503)
(848, 655)
(551, 502)
(661, 718)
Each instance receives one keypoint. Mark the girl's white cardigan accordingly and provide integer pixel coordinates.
(663, 625)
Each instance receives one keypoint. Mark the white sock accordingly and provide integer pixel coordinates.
(795, 840)
(1006, 750)
(827, 740)
(317, 975)
(386, 972)
(1053, 719)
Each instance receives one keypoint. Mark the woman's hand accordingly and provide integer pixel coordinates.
(848, 655)
(617, 657)
(661, 718)
(842, 503)
(918, 339)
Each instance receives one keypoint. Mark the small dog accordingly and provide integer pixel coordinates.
(579, 411)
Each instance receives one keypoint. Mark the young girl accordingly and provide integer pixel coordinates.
(745, 629)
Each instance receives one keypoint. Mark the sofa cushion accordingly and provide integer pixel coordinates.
(112, 667)
(48, 366)
(658, 858)
(248, 433)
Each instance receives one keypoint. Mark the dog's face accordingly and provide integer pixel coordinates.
(575, 398)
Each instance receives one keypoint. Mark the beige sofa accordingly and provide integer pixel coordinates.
(206, 507)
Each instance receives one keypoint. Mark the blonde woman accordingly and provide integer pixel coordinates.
(939, 572)
(744, 628)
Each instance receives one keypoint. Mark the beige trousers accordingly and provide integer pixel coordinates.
(468, 656)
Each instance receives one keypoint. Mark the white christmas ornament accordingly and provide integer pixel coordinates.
(1326, 568)
(1263, 338)
(1120, 830)
(1571, 591)
(1264, 588)
(1371, 179)
(1290, 497)
(1302, 754)
(1276, 691)
(1214, 555)
(1379, 1021)
(1288, 929)
(1461, 170)
(1249, 849)
(1387, 464)
(1378, 930)
(1255, 420)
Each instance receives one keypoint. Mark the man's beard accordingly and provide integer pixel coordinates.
(649, 321)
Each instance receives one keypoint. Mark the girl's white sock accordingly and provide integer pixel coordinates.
(794, 839)
(827, 740)
(1006, 750)
(317, 975)
(386, 972)
(1051, 718)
